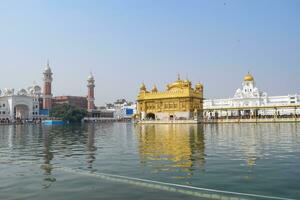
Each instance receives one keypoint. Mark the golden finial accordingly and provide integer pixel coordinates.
(143, 87)
(154, 89)
(178, 77)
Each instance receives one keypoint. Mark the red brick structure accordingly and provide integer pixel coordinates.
(77, 101)
(47, 89)
(48, 100)
(91, 94)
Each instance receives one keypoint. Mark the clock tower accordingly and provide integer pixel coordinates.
(47, 90)
(91, 93)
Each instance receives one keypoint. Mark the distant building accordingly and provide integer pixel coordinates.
(108, 106)
(124, 109)
(179, 102)
(119, 110)
(91, 93)
(77, 101)
(104, 114)
(249, 101)
(35, 102)
(26, 104)
(47, 92)
(20, 105)
(86, 103)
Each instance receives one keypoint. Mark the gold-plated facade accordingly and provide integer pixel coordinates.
(180, 101)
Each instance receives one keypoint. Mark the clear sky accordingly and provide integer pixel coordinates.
(126, 42)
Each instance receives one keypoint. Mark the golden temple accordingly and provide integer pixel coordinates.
(180, 102)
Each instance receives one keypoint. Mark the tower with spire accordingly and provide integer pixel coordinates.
(47, 90)
(91, 93)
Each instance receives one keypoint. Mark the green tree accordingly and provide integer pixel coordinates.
(68, 113)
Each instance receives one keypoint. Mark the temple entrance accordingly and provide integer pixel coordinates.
(150, 116)
(21, 112)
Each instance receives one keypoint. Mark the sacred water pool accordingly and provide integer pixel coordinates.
(124, 161)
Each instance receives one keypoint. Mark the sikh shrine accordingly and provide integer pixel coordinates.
(250, 101)
(180, 102)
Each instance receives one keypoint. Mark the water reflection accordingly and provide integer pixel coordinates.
(234, 157)
(172, 147)
(47, 154)
(252, 142)
(91, 157)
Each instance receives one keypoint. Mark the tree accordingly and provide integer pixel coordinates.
(68, 113)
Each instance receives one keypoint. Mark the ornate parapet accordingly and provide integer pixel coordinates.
(169, 94)
(178, 89)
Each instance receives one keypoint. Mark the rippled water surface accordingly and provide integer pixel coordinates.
(66, 162)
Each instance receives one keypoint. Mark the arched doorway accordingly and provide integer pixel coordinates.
(21, 112)
(150, 116)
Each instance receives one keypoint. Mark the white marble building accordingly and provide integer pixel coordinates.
(22, 104)
(122, 109)
(249, 100)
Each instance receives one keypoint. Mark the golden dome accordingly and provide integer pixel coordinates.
(199, 86)
(248, 77)
(179, 84)
(143, 87)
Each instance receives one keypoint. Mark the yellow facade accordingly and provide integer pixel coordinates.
(180, 101)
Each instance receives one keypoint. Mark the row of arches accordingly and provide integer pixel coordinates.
(151, 116)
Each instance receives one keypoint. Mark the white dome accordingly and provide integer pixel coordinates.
(47, 68)
(37, 88)
(8, 92)
(90, 77)
(30, 91)
(22, 92)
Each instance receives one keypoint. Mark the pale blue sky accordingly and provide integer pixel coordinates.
(127, 42)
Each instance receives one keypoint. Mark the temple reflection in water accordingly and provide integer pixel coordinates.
(171, 147)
